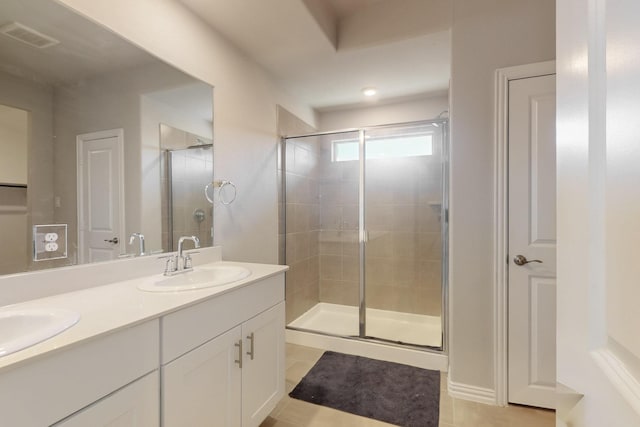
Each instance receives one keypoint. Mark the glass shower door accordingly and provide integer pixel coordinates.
(321, 180)
(189, 212)
(403, 199)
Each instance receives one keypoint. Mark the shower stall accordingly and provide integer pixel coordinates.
(186, 167)
(364, 230)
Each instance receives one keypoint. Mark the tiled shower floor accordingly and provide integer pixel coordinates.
(343, 320)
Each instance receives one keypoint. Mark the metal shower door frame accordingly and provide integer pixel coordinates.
(362, 232)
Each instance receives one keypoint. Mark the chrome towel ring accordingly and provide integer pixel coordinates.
(220, 185)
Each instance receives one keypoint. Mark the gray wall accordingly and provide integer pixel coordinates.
(487, 34)
(422, 108)
(37, 99)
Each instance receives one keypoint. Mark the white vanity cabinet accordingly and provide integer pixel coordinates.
(89, 381)
(207, 358)
(223, 359)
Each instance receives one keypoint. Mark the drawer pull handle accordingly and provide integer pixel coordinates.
(239, 359)
(251, 340)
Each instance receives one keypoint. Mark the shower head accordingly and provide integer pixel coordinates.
(439, 116)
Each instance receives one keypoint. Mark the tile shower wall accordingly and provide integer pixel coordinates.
(192, 214)
(191, 170)
(302, 211)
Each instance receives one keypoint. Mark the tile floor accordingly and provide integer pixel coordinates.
(453, 412)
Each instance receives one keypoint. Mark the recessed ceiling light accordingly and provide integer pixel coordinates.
(369, 91)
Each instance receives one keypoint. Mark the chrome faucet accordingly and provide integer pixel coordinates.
(140, 237)
(181, 263)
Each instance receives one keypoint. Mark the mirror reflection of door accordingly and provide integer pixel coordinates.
(14, 138)
(187, 169)
(100, 195)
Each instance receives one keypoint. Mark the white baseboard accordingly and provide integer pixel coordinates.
(621, 373)
(472, 393)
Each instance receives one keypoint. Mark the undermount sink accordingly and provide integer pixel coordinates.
(22, 328)
(200, 277)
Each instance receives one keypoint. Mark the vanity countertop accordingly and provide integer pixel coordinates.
(110, 307)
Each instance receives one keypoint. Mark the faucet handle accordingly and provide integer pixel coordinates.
(187, 259)
(171, 265)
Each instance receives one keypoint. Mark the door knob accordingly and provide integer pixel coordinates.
(114, 240)
(522, 260)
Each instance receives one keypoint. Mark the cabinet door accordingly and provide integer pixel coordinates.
(202, 387)
(263, 369)
(136, 405)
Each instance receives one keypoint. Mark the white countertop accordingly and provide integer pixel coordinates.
(108, 308)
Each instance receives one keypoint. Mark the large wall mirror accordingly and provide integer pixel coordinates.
(98, 135)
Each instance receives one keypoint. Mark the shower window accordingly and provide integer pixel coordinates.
(384, 147)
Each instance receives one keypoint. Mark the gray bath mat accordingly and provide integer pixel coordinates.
(386, 391)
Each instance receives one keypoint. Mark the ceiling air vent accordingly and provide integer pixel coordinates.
(27, 35)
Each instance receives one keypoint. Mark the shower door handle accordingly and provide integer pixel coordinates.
(364, 236)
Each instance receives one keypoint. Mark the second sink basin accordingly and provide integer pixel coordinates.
(206, 276)
(22, 328)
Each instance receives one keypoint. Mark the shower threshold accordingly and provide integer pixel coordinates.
(387, 326)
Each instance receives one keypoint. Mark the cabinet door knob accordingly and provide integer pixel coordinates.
(251, 340)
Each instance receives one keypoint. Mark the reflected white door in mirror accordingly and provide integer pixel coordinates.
(100, 195)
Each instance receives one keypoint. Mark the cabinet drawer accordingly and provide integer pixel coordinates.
(188, 328)
(136, 405)
(53, 387)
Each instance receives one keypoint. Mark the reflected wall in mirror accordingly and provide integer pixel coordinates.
(14, 134)
(85, 87)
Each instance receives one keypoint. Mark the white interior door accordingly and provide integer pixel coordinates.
(100, 195)
(532, 236)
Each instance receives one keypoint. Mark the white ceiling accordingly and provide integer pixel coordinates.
(325, 51)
